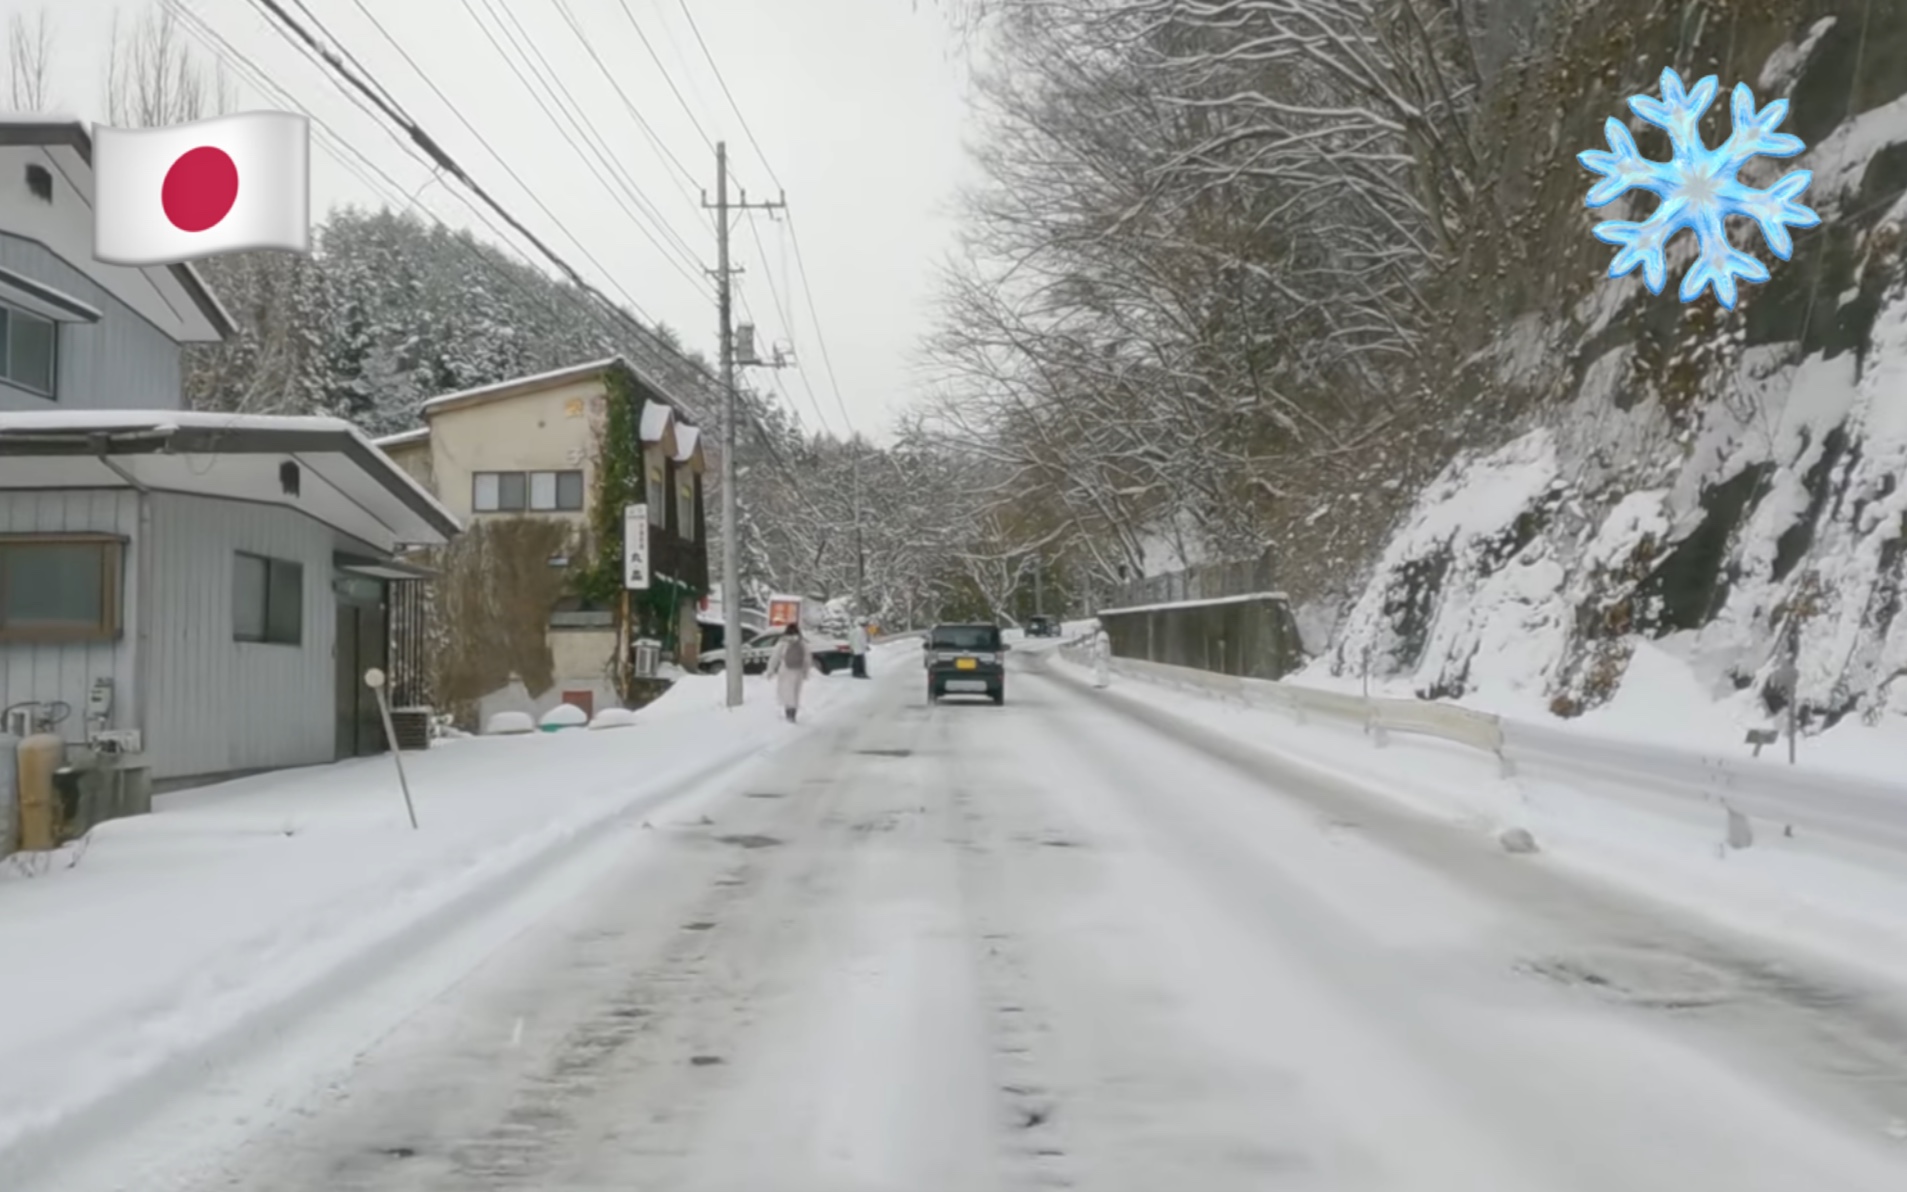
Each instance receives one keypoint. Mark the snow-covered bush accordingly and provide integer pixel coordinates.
(510, 724)
(564, 716)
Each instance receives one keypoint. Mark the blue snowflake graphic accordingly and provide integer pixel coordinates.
(1698, 188)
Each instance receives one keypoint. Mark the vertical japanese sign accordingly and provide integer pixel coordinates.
(635, 547)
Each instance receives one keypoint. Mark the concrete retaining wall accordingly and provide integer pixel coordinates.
(1252, 636)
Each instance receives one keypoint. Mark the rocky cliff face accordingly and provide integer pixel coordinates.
(1679, 473)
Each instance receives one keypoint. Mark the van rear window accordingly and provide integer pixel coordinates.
(967, 637)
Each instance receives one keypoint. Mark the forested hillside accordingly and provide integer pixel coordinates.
(1319, 277)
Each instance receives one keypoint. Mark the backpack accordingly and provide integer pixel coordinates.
(795, 654)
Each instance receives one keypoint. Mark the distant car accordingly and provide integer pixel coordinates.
(967, 659)
(1042, 626)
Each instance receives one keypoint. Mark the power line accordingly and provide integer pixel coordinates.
(657, 59)
(655, 142)
(788, 325)
(491, 149)
(449, 165)
(583, 126)
(442, 160)
(729, 95)
(385, 186)
(814, 316)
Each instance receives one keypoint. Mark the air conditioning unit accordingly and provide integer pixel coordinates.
(648, 658)
(412, 728)
(95, 789)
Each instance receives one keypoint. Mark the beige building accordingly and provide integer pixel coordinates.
(528, 447)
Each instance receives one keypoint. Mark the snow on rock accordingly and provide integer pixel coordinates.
(1466, 584)
(565, 716)
(1700, 484)
(1779, 72)
(613, 718)
(509, 724)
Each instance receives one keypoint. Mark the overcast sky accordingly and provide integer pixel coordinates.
(858, 106)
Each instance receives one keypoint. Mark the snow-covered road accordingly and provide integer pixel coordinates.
(1058, 944)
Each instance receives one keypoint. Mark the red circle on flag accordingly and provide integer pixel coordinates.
(200, 188)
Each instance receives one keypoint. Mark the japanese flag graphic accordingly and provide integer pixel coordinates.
(229, 184)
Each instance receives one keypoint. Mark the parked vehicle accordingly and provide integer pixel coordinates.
(967, 659)
(829, 656)
(756, 650)
(827, 636)
(1042, 626)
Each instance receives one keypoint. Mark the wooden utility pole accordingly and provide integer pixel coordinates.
(731, 532)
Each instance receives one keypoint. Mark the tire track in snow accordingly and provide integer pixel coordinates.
(866, 1071)
(1034, 1132)
(490, 1086)
(1092, 1030)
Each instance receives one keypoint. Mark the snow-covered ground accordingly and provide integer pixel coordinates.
(1842, 897)
(133, 954)
(1102, 940)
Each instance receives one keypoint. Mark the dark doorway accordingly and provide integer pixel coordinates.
(362, 643)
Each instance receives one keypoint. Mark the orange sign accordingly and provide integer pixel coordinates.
(783, 610)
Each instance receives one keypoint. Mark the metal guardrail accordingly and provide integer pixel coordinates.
(1849, 806)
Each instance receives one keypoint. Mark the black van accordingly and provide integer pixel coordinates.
(965, 660)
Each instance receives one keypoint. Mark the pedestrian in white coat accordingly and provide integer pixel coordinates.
(857, 644)
(789, 668)
(1102, 658)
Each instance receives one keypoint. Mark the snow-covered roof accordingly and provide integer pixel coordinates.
(518, 386)
(687, 439)
(175, 297)
(343, 480)
(402, 437)
(656, 417)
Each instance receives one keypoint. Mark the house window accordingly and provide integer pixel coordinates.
(685, 508)
(268, 600)
(26, 350)
(59, 587)
(516, 492)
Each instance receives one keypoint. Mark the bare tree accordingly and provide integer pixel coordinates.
(30, 62)
(153, 77)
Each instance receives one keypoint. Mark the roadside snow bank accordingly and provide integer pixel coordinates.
(162, 933)
(1844, 900)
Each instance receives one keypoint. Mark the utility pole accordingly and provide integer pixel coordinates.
(860, 548)
(731, 532)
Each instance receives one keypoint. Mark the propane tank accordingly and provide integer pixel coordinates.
(40, 755)
(9, 792)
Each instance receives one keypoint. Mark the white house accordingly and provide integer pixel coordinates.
(198, 594)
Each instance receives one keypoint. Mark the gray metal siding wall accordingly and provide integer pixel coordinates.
(66, 672)
(220, 705)
(121, 362)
